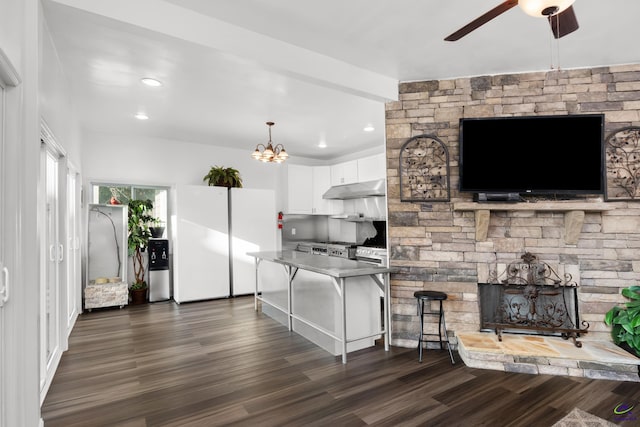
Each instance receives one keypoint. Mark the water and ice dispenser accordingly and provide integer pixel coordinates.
(158, 253)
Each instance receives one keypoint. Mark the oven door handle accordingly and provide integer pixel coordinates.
(369, 260)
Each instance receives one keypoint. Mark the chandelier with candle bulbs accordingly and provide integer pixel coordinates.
(269, 153)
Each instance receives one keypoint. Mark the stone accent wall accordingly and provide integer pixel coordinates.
(435, 246)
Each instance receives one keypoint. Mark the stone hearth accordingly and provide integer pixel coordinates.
(547, 355)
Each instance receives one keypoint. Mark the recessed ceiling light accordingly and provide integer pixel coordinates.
(141, 116)
(369, 128)
(322, 144)
(151, 82)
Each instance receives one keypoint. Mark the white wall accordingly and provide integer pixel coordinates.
(55, 100)
(132, 160)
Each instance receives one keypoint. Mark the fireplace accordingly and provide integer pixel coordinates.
(528, 296)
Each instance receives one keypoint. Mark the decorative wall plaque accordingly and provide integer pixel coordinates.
(622, 150)
(424, 170)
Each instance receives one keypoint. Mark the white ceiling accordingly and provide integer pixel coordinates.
(321, 70)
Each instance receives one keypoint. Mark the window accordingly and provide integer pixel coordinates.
(122, 193)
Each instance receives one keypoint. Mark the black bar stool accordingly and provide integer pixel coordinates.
(423, 297)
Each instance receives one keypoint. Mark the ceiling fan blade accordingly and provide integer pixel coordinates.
(563, 23)
(481, 20)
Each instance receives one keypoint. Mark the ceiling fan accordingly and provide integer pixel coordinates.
(560, 14)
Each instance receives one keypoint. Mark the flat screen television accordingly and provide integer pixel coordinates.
(537, 155)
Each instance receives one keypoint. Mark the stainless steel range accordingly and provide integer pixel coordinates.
(373, 255)
(337, 249)
(304, 247)
(342, 249)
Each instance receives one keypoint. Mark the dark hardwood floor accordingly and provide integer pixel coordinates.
(221, 363)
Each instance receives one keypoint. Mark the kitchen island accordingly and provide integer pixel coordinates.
(326, 297)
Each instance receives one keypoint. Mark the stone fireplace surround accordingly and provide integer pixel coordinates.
(447, 246)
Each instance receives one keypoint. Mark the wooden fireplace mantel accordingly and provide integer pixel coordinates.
(573, 214)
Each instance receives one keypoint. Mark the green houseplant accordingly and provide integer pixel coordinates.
(138, 225)
(625, 321)
(223, 177)
(157, 228)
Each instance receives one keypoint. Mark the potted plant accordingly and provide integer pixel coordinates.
(157, 229)
(625, 321)
(223, 177)
(139, 222)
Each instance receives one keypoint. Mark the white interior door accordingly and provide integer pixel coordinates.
(51, 256)
(74, 282)
(12, 370)
(4, 272)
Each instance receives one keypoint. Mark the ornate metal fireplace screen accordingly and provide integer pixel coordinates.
(529, 295)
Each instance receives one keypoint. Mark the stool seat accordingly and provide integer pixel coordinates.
(430, 295)
(423, 297)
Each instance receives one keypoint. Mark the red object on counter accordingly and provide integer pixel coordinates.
(280, 220)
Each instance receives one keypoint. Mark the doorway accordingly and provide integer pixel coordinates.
(60, 278)
(52, 257)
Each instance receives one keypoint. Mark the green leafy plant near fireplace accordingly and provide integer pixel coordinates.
(625, 321)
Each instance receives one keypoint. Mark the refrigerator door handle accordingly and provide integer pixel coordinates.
(4, 290)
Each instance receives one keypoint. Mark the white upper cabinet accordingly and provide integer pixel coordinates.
(306, 185)
(344, 173)
(372, 168)
(321, 183)
(299, 189)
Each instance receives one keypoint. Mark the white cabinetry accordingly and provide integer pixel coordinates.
(299, 189)
(321, 183)
(372, 168)
(306, 185)
(344, 173)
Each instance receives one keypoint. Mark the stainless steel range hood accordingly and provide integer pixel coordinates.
(357, 190)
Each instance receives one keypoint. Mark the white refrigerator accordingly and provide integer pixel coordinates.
(213, 229)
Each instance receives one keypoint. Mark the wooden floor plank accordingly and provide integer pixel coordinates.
(221, 363)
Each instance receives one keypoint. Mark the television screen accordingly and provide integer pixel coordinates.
(533, 155)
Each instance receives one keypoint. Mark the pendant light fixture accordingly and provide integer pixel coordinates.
(270, 153)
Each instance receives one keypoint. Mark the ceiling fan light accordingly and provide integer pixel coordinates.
(536, 7)
(150, 81)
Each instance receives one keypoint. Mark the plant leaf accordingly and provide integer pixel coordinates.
(611, 314)
(631, 294)
(635, 343)
(632, 304)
